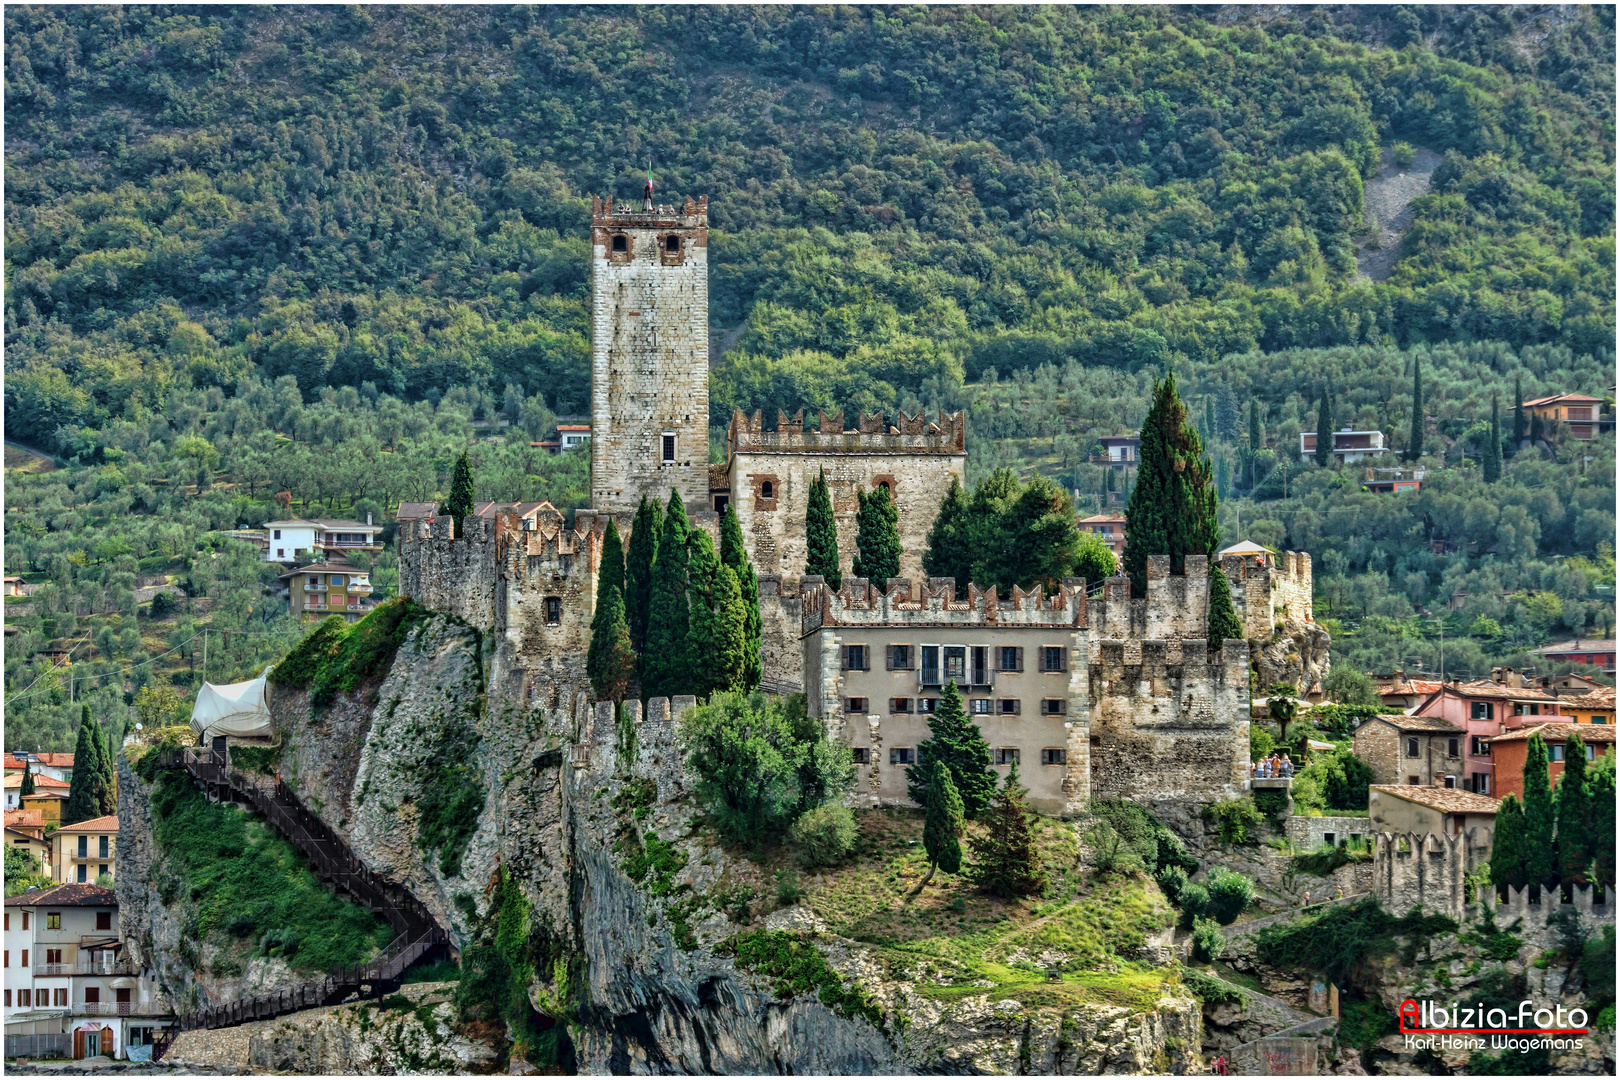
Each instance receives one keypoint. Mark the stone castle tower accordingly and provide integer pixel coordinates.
(649, 353)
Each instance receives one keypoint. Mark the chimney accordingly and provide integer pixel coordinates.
(368, 517)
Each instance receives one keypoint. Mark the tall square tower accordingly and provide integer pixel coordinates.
(649, 353)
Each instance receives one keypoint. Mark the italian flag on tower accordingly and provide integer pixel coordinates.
(646, 195)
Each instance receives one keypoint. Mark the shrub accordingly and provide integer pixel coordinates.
(824, 836)
(1152, 841)
(1194, 903)
(1172, 880)
(1402, 153)
(1207, 942)
(1229, 893)
(788, 892)
(256, 759)
(163, 604)
(1323, 862)
(1234, 819)
(1212, 990)
(795, 966)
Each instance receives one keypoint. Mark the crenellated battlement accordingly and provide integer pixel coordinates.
(606, 213)
(908, 434)
(858, 603)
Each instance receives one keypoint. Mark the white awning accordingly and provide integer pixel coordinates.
(240, 709)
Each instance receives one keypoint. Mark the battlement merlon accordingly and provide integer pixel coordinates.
(858, 603)
(908, 435)
(608, 214)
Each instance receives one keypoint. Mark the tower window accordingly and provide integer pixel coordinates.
(672, 244)
(767, 490)
(620, 244)
(669, 447)
(553, 610)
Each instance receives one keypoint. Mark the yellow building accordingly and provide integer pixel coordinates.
(85, 851)
(1594, 708)
(314, 592)
(48, 803)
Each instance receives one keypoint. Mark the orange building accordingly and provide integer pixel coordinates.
(1586, 416)
(1508, 752)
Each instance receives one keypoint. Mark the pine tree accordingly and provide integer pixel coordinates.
(1005, 862)
(949, 554)
(28, 778)
(610, 662)
(735, 555)
(1039, 541)
(877, 537)
(644, 530)
(666, 668)
(1223, 620)
(1576, 842)
(460, 502)
(1539, 819)
(1257, 443)
(1508, 845)
(957, 743)
(87, 791)
(1324, 427)
(942, 822)
(1492, 463)
(1172, 508)
(821, 534)
(1519, 429)
(1414, 441)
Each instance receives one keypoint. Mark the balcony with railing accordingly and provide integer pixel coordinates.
(88, 967)
(119, 1008)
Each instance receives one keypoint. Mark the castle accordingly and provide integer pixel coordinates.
(1090, 691)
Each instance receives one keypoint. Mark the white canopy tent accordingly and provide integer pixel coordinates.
(240, 709)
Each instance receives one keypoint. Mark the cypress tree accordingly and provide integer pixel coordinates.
(1539, 819)
(1414, 441)
(949, 554)
(732, 653)
(666, 668)
(821, 534)
(942, 821)
(644, 530)
(955, 742)
(735, 555)
(460, 502)
(1005, 861)
(1223, 476)
(611, 661)
(877, 537)
(1172, 507)
(1257, 441)
(717, 638)
(86, 791)
(28, 778)
(1576, 842)
(1492, 463)
(109, 774)
(1324, 426)
(1601, 782)
(1508, 845)
(1536, 429)
(1518, 413)
(1223, 620)
(1209, 418)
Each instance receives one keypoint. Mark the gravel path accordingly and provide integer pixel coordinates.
(1387, 199)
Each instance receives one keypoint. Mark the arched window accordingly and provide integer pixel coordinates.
(767, 490)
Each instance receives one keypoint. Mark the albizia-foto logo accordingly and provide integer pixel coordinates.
(1431, 1026)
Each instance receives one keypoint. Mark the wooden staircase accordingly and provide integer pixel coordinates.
(416, 934)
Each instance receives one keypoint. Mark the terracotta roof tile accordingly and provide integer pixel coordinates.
(1603, 733)
(1446, 800)
(1418, 723)
(72, 894)
(1601, 698)
(100, 824)
(41, 782)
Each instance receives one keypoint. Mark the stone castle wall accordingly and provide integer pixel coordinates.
(915, 457)
(649, 354)
(1427, 870)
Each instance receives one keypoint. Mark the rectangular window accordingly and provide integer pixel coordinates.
(1451, 781)
(1411, 781)
(103, 920)
(553, 610)
(22, 998)
(927, 705)
(979, 658)
(902, 755)
(1482, 710)
(53, 956)
(1011, 658)
(8, 958)
(102, 850)
(25, 920)
(8, 920)
(1054, 755)
(1009, 706)
(899, 657)
(53, 920)
(855, 658)
(84, 872)
(1451, 747)
(1411, 747)
(956, 663)
(1482, 783)
(898, 705)
(61, 996)
(1006, 755)
(1555, 751)
(84, 847)
(1052, 657)
(1591, 751)
(855, 705)
(862, 755)
(1053, 706)
(8, 999)
(669, 447)
(25, 958)
(930, 665)
(1482, 746)
(278, 534)
(981, 706)
(92, 995)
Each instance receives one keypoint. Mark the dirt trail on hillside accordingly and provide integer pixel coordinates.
(1387, 198)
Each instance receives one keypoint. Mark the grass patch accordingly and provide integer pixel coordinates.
(797, 968)
(1208, 988)
(248, 882)
(1133, 987)
(1325, 860)
(337, 656)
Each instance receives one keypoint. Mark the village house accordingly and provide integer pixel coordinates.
(14, 586)
(1393, 481)
(1396, 808)
(416, 511)
(69, 989)
(1486, 709)
(1570, 685)
(1594, 708)
(85, 851)
(1402, 694)
(1348, 445)
(25, 830)
(46, 789)
(1599, 652)
(1510, 751)
(1118, 450)
(323, 537)
(328, 588)
(1111, 527)
(1586, 416)
(529, 514)
(1420, 751)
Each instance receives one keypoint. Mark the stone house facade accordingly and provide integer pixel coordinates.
(1510, 751)
(1396, 808)
(1418, 751)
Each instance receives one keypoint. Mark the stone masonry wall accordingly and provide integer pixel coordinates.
(916, 459)
(649, 355)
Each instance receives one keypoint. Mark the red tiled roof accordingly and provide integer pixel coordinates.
(1446, 800)
(1592, 733)
(1484, 688)
(1601, 698)
(41, 782)
(100, 824)
(57, 761)
(411, 511)
(72, 894)
(13, 762)
(1403, 722)
(1555, 398)
(1582, 645)
(25, 819)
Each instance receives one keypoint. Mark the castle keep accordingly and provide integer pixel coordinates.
(1090, 691)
